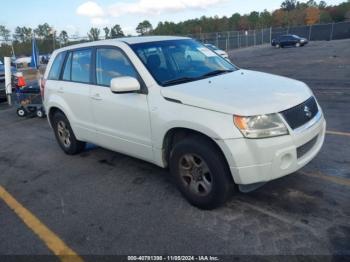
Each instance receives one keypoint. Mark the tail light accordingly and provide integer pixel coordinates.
(42, 87)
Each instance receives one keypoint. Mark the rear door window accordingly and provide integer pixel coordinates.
(56, 67)
(81, 66)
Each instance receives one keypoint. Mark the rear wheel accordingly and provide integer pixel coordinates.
(200, 172)
(65, 136)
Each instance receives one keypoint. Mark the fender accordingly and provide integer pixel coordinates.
(158, 139)
(56, 101)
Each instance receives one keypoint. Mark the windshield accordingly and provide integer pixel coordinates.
(179, 61)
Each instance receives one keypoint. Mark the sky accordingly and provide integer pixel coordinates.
(78, 16)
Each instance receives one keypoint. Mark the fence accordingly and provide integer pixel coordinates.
(224, 40)
(238, 39)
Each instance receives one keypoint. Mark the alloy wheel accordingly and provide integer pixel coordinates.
(195, 174)
(63, 134)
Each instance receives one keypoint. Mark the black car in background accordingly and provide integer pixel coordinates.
(288, 40)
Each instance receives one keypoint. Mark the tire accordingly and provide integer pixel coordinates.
(278, 46)
(200, 173)
(40, 113)
(21, 112)
(297, 45)
(65, 136)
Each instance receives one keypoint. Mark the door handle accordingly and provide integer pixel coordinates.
(96, 96)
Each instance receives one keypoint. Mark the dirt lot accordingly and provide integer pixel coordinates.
(101, 202)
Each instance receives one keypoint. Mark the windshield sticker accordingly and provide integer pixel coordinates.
(205, 51)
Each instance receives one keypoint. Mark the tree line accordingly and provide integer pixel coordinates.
(290, 13)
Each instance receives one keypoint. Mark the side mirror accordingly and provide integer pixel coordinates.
(125, 84)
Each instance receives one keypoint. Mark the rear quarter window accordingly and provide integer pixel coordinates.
(55, 70)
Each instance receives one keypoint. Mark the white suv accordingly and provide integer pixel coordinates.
(214, 125)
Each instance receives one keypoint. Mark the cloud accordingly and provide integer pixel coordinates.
(90, 9)
(152, 7)
(94, 11)
(100, 16)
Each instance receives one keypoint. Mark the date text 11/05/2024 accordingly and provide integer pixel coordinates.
(173, 258)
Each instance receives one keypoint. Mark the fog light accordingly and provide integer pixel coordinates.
(286, 161)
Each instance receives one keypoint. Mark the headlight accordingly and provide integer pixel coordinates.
(261, 126)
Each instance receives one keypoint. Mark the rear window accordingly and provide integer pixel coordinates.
(81, 65)
(56, 67)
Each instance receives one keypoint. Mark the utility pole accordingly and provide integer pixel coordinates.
(13, 54)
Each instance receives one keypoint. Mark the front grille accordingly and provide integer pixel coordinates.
(301, 114)
(302, 150)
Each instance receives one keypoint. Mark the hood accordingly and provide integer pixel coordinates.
(242, 92)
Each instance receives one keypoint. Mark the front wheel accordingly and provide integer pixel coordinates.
(65, 136)
(297, 45)
(201, 173)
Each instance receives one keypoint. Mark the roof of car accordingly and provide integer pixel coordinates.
(144, 39)
(128, 40)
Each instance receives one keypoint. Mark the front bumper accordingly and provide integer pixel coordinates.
(261, 160)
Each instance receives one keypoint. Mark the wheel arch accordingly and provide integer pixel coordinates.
(51, 112)
(176, 134)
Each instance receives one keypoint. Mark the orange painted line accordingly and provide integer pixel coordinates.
(51, 240)
(333, 179)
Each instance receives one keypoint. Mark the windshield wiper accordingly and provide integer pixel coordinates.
(180, 80)
(217, 72)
